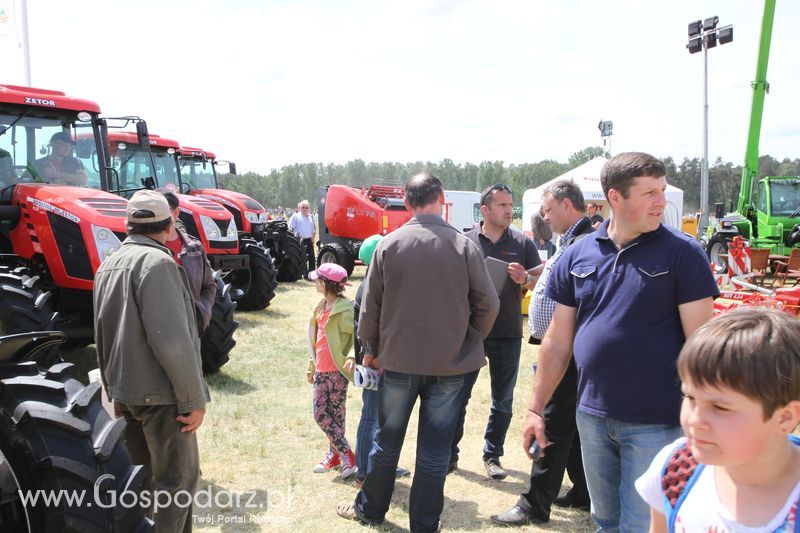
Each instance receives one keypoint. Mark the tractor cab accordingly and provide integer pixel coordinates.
(777, 213)
(48, 137)
(140, 167)
(197, 168)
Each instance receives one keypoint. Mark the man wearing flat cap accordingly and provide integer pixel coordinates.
(149, 355)
(60, 166)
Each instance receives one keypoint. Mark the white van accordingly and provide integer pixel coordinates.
(462, 209)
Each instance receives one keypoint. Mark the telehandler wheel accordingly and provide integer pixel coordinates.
(339, 254)
(262, 279)
(57, 440)
(294, 258)
(217, 340)
(718, 246)
(25, 307)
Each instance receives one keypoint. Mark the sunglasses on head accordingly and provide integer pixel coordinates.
(492, 189)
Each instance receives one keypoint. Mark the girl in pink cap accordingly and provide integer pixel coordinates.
(331, 364)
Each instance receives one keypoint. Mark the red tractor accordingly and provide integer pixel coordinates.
(244, 263)
(54, 432)
(348, 215)
(199, 176)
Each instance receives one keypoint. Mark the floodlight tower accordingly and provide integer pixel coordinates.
(704, 34)
(606, 127)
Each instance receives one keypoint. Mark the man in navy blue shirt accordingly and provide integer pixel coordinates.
(627, 297)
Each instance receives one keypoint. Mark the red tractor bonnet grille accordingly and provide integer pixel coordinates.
(107, 206)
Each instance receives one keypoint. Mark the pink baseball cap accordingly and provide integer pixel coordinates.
(330, 272)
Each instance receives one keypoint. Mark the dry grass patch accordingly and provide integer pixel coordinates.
(261, 442)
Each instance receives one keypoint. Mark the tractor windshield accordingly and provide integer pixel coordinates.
(198, 173)
(785, 196)
(57, 150)
(135, 165)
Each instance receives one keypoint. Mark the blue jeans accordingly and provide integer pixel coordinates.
(615, 454)
(366, 429)
(503, 356)
(439, 403)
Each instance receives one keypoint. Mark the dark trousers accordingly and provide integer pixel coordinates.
(312, 260)
(563, 453)
(171, 458)
(440, 398)
(503, 356)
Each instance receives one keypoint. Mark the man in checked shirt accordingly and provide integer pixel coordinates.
(564, 209)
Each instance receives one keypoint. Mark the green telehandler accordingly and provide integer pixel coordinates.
(769, 216)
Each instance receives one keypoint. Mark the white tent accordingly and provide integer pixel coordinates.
(587, 177)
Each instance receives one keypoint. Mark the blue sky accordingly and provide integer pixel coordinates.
(268, 83)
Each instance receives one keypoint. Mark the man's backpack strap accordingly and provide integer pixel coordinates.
(679, 474)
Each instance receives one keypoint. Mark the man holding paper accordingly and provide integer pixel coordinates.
(499, 240)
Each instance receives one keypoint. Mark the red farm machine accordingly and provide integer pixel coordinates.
(199, 178)
(243, 261)
(54, 432)
(348, 215)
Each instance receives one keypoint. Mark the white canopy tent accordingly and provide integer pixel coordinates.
(587, 177)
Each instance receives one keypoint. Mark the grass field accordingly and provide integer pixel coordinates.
(260, 441)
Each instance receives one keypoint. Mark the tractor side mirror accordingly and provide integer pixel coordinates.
(719, 210)
(142, 135)
(232, 167)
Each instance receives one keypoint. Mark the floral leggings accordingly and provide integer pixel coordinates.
(329, 403)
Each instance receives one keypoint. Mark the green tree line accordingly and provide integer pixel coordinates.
(292, 183)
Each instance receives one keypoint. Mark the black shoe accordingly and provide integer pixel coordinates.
(516, 516)
(493, 468)
(570, 502)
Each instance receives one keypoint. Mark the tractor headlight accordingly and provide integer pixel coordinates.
(251, 216)
(210, 228)
(233, 233)
(105, 241)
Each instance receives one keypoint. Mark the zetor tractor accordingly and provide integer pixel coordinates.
(348, 215)
(54, 432)
(199, 176)
(251, 273)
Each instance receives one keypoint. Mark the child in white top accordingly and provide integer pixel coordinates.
(741, 384)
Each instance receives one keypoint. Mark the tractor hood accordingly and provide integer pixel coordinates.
(231, 199)
(73, 228)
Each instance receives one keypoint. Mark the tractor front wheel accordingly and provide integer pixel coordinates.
(260, 288)
(57, 438)
(26, 307)
(294, 258)
(217, 340)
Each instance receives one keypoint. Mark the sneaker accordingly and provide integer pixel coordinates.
(493, 468)
(328, 463)
(348, 464)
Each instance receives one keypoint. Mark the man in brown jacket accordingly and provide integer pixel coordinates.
(149, 356)
(427, 306)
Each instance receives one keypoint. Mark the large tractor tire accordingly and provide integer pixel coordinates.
(258, 284)
(339, 254)
(718, 246)
(217, 340)
(57, 439)
(294, 258)
(26, 307)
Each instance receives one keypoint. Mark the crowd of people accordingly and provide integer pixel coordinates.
(662, 417)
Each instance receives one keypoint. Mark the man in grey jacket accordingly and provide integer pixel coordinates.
(149, 355)
(427, 306)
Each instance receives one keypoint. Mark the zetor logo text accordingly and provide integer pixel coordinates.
(40, 101)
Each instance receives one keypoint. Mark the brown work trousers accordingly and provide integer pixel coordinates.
(171, 458)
